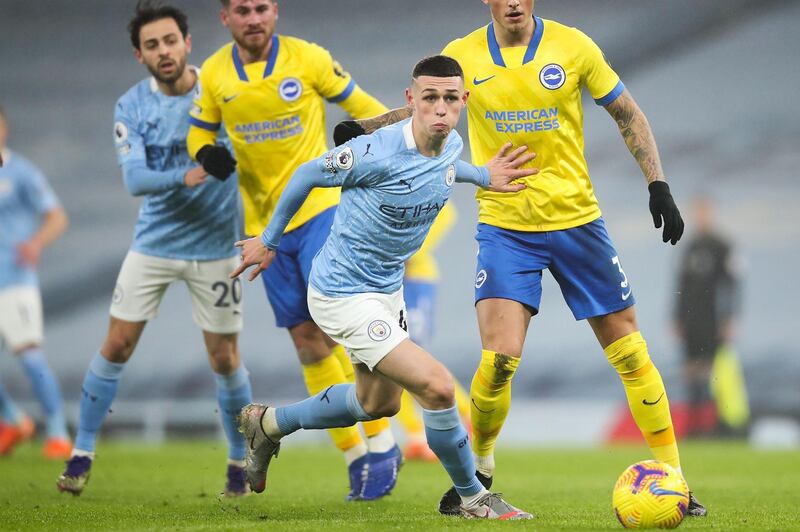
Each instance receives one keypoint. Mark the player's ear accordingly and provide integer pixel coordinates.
(465, 97)
(138, 55)
(410, 98)
(223, 16)
(188, 41)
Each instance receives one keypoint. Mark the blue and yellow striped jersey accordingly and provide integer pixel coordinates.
(274, 113)
(531, 95)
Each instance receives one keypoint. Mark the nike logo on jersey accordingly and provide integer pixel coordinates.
(476, 81)
(648, 403)
(226, 99)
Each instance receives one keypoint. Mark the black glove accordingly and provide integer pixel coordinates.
(217, 161)
(347, 130)
(663, 206)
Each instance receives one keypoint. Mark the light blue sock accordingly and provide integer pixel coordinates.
(9, 411)
(97, 394)
(337, 406)
(448, 438)
(47, 390)
(233, 394)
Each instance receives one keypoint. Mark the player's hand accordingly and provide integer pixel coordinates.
(347, 130)
(28, 253)
(195, 176)
(505, 168)
(254, 253)
(217, 161)
(663, 207)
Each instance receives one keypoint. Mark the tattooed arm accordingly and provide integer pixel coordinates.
(638, 136)
(377, 122)
(636, 132)
(350, 129)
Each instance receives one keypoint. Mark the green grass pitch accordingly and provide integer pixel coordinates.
(175, 486)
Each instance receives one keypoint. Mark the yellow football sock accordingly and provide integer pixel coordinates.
(491, 399)
(320, 375)
(371, 428)
(463, 405)
(409, 417)
(647, 397)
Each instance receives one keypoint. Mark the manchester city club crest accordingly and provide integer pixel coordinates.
(450, 176)
(552, 76)
(379, 330)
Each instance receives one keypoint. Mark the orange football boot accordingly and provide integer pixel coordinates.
(57, 448)
(12, 435)
(418, 451)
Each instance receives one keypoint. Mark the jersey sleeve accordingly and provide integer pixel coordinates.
(596, 74)
(332, 81)
(127, 137)
(205, 112)
(343, 166)
(39, 192)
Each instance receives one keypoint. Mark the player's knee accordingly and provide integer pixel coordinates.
(377, 409)
(628, 354)
(439, 392)
(501, 342)
(118, 348)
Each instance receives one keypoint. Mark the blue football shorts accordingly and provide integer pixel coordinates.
(286, 280)
(582, 260)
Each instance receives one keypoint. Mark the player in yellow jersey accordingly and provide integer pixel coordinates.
(525, 76)
(269, 91)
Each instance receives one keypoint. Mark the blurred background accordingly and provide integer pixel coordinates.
(717, 79)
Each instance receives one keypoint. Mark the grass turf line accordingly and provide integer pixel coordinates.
(175, 486)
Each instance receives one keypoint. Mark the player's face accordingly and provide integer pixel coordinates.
(437, 103)
(251, 22)
(512, 15)
(163, 50)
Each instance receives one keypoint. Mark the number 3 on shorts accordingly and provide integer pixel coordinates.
(626, 291)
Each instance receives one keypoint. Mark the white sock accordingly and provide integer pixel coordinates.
(269, 424)
(485, 465)
(237, 463)
(81, 452)
(381, 442)
(469, 501)
(355, 452)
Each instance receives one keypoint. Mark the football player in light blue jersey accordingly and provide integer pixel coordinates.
(31, 218)
(186, 224)
(394, 183)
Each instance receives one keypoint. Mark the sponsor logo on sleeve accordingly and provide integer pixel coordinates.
(379, 330)
(344, 159)
(552, 76)
(118, 295)
(290, 89)
(125, 149)
(120, 132)
(338, 70)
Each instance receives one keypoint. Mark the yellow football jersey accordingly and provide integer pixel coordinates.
(531, 95)
(274, 114)
(422, 264)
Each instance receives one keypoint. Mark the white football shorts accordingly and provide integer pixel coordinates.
(216, 299)
(367, 325)
(21, 316)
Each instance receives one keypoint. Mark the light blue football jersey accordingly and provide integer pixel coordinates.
(25, 196)
(391, 194)
(177, 222)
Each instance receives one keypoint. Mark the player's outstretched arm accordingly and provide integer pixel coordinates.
(638, 136)
(500, 171)
(260, 251)
(350, 129)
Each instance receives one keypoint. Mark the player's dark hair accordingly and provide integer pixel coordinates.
(439, 66)
(148, 11)
(227, 3)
